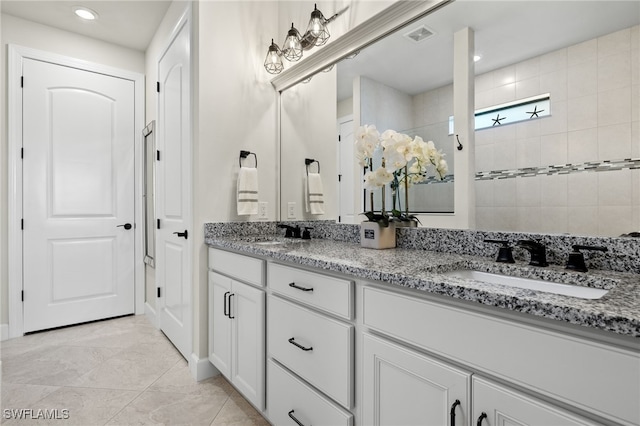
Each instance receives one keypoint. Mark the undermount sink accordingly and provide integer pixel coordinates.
(530, 284)
(279, 242)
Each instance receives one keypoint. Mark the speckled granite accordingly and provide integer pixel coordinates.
(618, 311)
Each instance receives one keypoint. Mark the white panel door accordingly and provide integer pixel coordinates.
(78, 191)
(219, 324)
(347, 170)
(496, 405)
(173, 250)
(246, 305)
(402, 387)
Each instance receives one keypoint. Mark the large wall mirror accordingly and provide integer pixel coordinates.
(574, 169)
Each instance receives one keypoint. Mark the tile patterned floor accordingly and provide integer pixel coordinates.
(116, 372)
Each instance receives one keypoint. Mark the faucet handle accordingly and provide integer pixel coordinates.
(306, 235)
(505, 254)
(576, 258)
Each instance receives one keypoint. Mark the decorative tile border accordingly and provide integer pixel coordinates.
(590, 166)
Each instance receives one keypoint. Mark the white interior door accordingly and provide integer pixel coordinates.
(78, 188)
(346, 170)
(173, 249)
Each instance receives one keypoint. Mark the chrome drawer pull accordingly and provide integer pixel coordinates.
(293, 285)
(294, 419)
(294, 343)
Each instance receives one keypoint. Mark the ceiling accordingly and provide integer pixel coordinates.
(130, 23)
(506, 32)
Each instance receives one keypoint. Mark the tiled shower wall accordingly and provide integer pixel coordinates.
(595, 91)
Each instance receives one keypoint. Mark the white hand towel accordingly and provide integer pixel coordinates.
(247, 191)
(314, 198)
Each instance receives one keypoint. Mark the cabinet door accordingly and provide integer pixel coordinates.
(495, 405)
(219, 323)
(248, 337)
(403, 387)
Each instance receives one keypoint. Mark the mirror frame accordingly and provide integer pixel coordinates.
(396, 16)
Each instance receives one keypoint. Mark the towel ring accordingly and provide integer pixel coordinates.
(308, 162)
(245, 154)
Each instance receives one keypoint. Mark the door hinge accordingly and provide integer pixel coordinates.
(22, 224)
(21, 81)
(158, 86)
(21, 152)
(159, 293)
(22, 295)
(339, 178)
(157, 223)
(158, 155)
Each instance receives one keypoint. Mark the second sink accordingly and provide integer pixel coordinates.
(530, 284)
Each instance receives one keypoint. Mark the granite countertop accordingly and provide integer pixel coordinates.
(618, 311)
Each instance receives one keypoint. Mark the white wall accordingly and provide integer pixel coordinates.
(595, 117)
(29, 34)
(236, 109)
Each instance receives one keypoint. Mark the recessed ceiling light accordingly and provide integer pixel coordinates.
(85, 13)
(476, 58)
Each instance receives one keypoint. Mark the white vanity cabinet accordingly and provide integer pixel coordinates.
(404, 387)
(311, 347)
(237, 325)
(575, 373)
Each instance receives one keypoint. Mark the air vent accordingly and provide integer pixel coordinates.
(419, 34)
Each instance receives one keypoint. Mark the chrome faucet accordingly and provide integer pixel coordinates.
(538, 252)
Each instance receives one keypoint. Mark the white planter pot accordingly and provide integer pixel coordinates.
(372, 235)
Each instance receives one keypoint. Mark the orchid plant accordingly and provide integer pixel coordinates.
(403, 161)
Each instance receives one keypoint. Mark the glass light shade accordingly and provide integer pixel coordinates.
(273, 61)
(292, 48)
(318, 27)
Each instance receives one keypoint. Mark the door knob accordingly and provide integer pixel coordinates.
(184, 234)
(126, 226)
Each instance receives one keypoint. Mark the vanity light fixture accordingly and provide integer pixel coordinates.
(273, 62)
(294, 44)
(85, 13)
(317, 27)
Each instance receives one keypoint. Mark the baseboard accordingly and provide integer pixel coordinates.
(4, 332)
(201, 368)
(151, 315)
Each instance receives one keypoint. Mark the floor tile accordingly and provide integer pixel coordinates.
(165, 408)
(238, 412)
(53, 365)
(179, 380)
(16, 396)
(81, 406)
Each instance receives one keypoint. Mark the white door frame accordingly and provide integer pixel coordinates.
(14, 170)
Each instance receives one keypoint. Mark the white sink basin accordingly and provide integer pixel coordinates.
(530, 284)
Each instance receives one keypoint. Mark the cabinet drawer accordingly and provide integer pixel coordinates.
(289, 396)
(333, 295)
(243, 268)
(324, 356)
(566, 368)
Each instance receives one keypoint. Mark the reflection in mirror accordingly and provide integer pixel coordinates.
(574, 171)
(307, 130)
